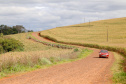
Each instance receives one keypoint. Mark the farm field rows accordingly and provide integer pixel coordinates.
(93, 33)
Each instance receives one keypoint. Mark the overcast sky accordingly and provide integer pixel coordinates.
(40, 15)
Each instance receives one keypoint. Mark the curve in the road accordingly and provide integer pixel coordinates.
(91, 70)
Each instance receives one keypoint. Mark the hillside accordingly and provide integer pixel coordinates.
(35, 55)
(92, 33)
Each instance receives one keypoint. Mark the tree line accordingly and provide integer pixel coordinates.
(6, 30)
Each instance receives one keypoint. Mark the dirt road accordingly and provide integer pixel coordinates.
(91, 70)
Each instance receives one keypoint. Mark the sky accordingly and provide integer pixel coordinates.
(41, 15)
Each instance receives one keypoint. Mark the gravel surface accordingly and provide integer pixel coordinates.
(91, 70)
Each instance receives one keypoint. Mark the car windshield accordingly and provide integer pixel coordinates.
(104, 51)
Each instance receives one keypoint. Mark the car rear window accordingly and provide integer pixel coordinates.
(104, 51)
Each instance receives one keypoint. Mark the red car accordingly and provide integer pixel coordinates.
(103, 53)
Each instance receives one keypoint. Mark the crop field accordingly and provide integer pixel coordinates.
(34, 54)
(30, 45)
(33, 48)
(110, 32)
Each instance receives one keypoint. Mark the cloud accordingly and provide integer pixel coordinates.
(46, 14)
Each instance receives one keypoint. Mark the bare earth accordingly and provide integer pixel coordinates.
(91, 70)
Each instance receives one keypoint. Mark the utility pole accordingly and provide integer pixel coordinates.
(107, 34)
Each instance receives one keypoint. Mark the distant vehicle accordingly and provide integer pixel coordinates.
(104, 53)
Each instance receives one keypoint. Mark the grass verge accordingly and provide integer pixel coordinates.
(83, 54)
(41, 62)
(119, 76)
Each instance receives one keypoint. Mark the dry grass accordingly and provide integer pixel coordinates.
(30, 45)
(96, 33)
(119, 76)
(12, 58)
(32, 49)
(34, 53)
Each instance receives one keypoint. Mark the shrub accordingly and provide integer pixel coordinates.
(9, 44)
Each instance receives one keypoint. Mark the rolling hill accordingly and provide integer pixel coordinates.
(40, 53)
(96, 32)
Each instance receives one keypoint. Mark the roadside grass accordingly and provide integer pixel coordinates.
(16, 62)
(83, 54)
(119, 76)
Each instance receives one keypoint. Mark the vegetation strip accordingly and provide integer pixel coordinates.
(10, 67)
(119, 76)
(51, 44)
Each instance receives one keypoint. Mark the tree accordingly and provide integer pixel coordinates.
(1, 27)
(6, 30)
(30, 30)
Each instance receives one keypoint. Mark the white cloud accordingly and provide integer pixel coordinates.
(45, 14)
(38, 7)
